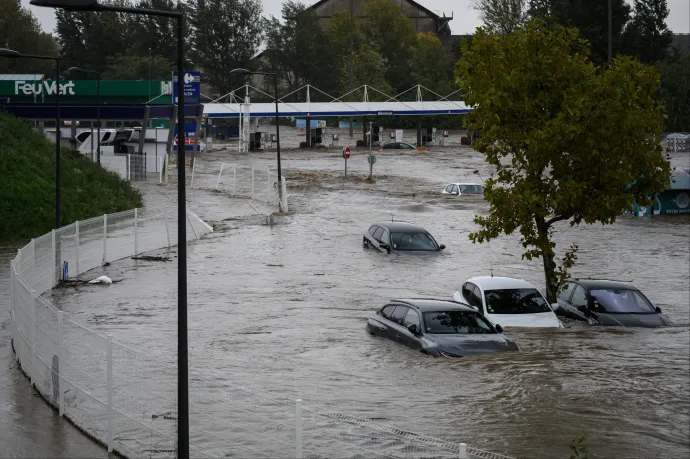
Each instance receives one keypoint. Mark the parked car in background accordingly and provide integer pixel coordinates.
(461, 189)
(508, 301)
(439, 328)
(400, 237)
(606, 302)
(398, 146)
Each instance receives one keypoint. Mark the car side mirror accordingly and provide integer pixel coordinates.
(442, 246)
(455, 193)
(658, 309)
(555, 306)
(499, 328)
(413, 329)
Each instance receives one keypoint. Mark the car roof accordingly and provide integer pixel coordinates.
(433, 304)
(401, 226)
(464, 183)
(603, 283)
(498, 282)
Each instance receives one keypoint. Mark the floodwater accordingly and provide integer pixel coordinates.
(30, 428)
(291, 302)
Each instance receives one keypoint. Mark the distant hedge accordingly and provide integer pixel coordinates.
(27, 184)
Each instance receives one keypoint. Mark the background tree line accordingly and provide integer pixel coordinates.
(639, 31)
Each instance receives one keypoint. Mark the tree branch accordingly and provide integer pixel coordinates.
(556, 219)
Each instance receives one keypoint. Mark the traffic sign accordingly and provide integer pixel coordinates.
(346, 152)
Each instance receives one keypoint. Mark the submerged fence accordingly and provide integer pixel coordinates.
(127, 398)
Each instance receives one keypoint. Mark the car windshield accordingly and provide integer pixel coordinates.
(413, 241)
(471, 189)
(620, 300)
(515, 301)
(455, 322)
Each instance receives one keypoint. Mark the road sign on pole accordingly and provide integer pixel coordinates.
(346, 155)
(192, 87)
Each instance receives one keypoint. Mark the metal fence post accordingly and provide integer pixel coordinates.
(33, 337)
(462, 451)
(76, 246)
(219, 174)
(298, 429)
(167, 228)
(109, 347)
(129, 170)
(105, 238)
(234, 180)
(136, 231)
(191, 185)
(252, 182)
(61, 367)
(268, 180)
(56, 271)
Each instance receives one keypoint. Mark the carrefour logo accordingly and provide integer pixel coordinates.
(29, 89)
(188, 78)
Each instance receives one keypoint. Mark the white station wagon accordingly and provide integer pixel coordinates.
(461, 189)
(509, 302)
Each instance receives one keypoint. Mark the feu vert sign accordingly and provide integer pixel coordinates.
(30, 88)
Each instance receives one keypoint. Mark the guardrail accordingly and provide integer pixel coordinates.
(127, 399)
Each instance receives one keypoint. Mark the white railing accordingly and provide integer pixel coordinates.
(127, 399)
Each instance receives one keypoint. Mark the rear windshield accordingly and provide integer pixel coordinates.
(455, 322)
(413, 241)
(620, 300)
(471, 189)
(515, 301)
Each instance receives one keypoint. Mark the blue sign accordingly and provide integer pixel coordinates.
(302, 123)
(188, 141)
(192, 88)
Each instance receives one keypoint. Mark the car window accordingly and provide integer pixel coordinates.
(413, 241)
(466, 291)
(455, 189)
(378, 233)
(373, 229)
(565, 294)
(399, 314)
(456, 322)
(471, 189)
(449, 188)
(620, 301)
(515, 301)
(82, 136)
(385, 238)
(475, 298)
(411, 318)
(386, 311)
(579, 297)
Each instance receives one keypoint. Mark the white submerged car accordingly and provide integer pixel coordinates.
(509, 302)
(462, 189)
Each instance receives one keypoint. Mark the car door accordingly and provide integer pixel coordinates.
(369, 237)
(379, 323)
(448, 189)
(412, 318)
(395, 331)
(454, 190)
(377, 239)
(577, 300)
(563, 299)
(475, 298)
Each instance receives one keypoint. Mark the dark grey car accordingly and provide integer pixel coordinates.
(439, 328)
(400, 237)
(606, 302)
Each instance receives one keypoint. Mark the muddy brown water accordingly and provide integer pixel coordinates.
(292, 300)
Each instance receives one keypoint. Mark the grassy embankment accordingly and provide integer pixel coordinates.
(27, 184)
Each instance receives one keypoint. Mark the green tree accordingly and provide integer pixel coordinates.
(647, 36)
(298, 48)
(155, 35)
(675, 91)
(430, 64)
(226, 35)
(567, 140)
(390, 31)
(20, 30)
(501, 16)
(122, 67)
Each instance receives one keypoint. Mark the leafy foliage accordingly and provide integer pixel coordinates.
(675, 91)
(502, 16)
(430, 64)
(647, 36)
(578, 448)
(27, 191)
(226, 35)
(122, 67)
(568, 140)
(20, 30)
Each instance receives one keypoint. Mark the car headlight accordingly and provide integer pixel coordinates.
(447, 354)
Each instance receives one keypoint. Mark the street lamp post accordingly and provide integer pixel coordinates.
(182, 346)
(58, 133)
(98, 109)
(275, 94)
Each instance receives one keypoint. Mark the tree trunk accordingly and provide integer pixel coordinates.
(548, 256)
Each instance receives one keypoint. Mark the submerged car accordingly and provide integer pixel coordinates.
(606, 302)
(400, 237)
(439, 328)
(462, 189)
(508, 301)
(397, 146)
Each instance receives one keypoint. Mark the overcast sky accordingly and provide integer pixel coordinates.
(464, 22)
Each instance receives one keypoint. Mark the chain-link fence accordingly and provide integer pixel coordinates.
(127, 399)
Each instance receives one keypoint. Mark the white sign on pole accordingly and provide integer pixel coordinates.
(398, 135)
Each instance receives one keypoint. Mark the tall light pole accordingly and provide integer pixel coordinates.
(275, 93)
(352, 45)
(182, 346)
(98, 109)
(58, 133)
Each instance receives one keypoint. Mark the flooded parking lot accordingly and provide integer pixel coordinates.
(283, 308)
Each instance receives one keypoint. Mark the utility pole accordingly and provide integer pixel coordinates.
(352, 25)
(610, 35)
